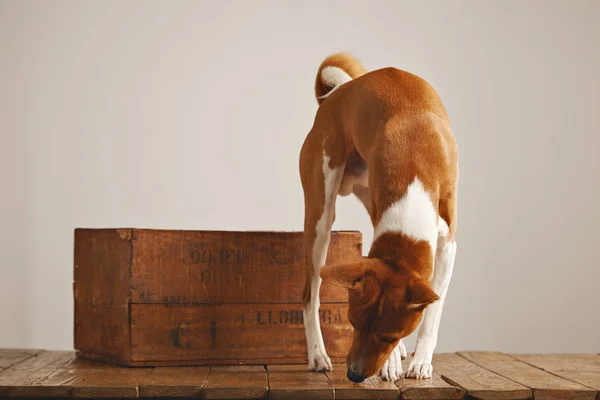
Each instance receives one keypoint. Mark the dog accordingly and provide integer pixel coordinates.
(385, 137)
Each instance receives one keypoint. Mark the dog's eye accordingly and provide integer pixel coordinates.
(387, 339)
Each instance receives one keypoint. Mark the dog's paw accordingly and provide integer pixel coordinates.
(392, 369)
(419, 370)
(318, 360)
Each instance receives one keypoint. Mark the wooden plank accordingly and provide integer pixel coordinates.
(233, 333)
(216, 267)
(102, 272)
(243, 382)
(118, 382)
(294, 382)
(174, 382)
(49, 382)
(478, 382)
(10, 357)
(32, 370)
(543, 384)
(58, 380)
(434, 388)
(373, 388)
(580, 368)
(562, 362)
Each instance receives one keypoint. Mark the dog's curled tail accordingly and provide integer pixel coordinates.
(334, 71)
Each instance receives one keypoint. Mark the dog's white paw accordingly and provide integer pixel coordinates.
(392, 369)
(419, 370)
(318, 360)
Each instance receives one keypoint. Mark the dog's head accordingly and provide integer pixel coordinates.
(386, 303)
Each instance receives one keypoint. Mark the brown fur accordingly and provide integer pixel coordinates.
(386, 303)
(393, 123)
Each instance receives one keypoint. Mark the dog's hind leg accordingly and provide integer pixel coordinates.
(321, 182)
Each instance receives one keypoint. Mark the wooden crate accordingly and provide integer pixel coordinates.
(162, 297)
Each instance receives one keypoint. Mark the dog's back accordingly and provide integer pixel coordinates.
(395, 121)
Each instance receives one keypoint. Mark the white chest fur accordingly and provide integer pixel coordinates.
(412, 215)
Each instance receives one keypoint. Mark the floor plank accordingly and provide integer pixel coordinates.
(373, 388)
(10, 357)
(49, 382)
(57, 379)
(481, 375)
(543, 384)
(477, 381)
(243, 382)
(294, 382)
(434, 388)
(580, 368)
(118, 382)
(174, 382)
(31, 370)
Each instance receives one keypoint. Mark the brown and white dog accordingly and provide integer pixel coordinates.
(384, 136)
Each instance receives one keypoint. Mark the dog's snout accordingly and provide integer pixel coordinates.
(353, 375)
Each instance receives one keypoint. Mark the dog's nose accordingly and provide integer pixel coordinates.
(354, 377)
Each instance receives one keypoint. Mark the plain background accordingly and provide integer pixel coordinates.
(191, 114)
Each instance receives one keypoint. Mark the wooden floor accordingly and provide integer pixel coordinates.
(482, 375)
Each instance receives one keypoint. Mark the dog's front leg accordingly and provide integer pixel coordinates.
(420, 366)
(320, 194)
(392, 369)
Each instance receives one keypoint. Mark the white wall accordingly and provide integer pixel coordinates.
(191, 114)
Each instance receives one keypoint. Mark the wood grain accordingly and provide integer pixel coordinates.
(174, 382)
(111, 383)
(50, 382)
(373, 388)
(231, 382)
(32, 370)
(102, 273)
(477, 381)
(580, 368)
(294, 382)
(221, 267)
(232, 333)
(543, 384)
(10, 357)
(481, 375)
(434, 388)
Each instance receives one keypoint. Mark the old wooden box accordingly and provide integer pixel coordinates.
(163, 297)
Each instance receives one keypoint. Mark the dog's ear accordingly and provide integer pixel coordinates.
(347, 275)
(420, 294)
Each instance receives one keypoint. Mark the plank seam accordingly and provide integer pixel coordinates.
(466, 392)
(553, 373)
(19, 362)
(268, 381)
(205, 380)
(534, 390)
(458, 387)
(476, 363)
(330, 383)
